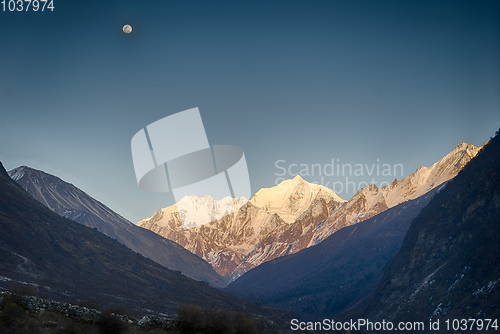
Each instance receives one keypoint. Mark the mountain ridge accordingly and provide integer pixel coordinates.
(71, 202)
(65, 260)
(372, 200)
(449, 265)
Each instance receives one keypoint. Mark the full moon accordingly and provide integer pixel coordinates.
(127, 29)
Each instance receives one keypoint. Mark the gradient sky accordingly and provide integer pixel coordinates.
(301, 81)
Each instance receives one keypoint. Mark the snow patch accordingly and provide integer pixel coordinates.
(426, 282)
(17, 173)
(486, 289)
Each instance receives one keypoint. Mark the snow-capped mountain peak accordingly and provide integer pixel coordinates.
(194, 211)
(18, 173)
(199, 210)
(290, 198)
(229, 240)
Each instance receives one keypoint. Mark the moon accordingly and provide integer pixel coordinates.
(127, 29)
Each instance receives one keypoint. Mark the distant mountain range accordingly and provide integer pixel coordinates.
(370, 200)
(227, 243)
(293, 215)
(68, 261)
(70, 202)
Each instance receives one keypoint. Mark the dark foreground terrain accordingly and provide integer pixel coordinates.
(29, 314)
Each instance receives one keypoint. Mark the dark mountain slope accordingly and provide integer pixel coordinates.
(325, 279)
(66, 260)
(70, 202)
(449, 263)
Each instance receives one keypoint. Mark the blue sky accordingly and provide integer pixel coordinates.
(301, 81)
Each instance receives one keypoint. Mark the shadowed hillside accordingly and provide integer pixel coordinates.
(449, 263)
(70, 202)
